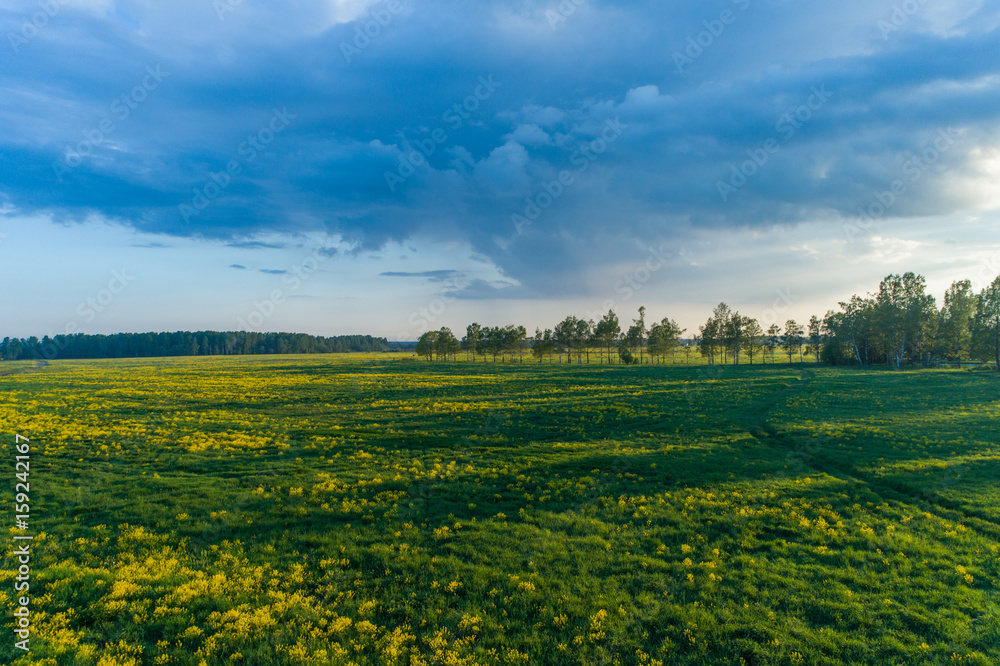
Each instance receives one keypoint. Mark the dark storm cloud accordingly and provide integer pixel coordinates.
(526, 133)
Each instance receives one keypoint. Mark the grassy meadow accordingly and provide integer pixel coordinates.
(375, 509)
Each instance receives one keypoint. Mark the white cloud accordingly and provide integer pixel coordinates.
(335, 12)
(891, 250)
(530, 135)
(504, 169)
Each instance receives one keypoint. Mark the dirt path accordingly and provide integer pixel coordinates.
(754, 419)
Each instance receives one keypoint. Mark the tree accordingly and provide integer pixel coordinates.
(836, 349)
(773, 337)
(656, 344)
(427, 344)
(607, 332)
(473, 339)
(721, 315)
(640, 327)
(567, 335)
(986, 327)
(733, 335)
(708, 339)
(792, 339)
(753, 338)
(815, 336)
(515, 338)
(956, 321)
(583, 337)
(631, 341)
(493, 341)
(904, 316)
(857, 323)
(446, 343)
(672, 334)
(664, 337)
(542, 344)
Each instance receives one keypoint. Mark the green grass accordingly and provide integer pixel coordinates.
(370, 509)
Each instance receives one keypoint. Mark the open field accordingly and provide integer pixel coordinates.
(368, 509)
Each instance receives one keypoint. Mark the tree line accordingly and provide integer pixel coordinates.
(897, 325)
(901, 324)
(184, 343)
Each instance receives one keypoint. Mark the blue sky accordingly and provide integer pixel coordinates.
(341, 166)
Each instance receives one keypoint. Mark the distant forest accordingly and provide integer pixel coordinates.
(184, 343)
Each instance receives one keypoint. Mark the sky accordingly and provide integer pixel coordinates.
(347, 166)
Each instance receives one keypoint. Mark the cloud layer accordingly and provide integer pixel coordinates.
(551, 138)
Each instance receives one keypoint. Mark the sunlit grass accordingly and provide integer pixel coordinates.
(373, 509)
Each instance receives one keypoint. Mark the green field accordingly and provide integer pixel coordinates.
(372, 509)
